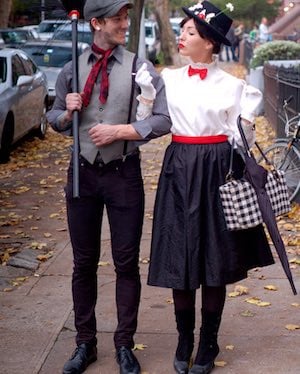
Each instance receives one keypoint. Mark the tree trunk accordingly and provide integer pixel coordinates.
(167, 36)
(135, 20)
(5, 8)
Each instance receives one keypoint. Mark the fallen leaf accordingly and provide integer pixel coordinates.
(103, 263)
(247, 313)
(270, 287)
(295, 304)
(139, 347)
(220, 364)
(170, 301)
(292, 327)
(230, 347)
(47, 234)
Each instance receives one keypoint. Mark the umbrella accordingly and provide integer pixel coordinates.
(75, 11)
(257, 176)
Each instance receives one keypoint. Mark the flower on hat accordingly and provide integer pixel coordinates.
(201, 12)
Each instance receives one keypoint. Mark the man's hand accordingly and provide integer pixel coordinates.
(104, 134)
(73, 102)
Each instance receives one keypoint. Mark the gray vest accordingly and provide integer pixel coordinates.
(114, 111)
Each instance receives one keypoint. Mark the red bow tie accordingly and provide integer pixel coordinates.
(201, 72)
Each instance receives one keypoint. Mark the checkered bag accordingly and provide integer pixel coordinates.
(239, 197)
(239, 201)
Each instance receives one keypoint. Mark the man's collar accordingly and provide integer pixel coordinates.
(118, 53)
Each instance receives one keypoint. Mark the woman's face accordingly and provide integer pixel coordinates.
(191, 44)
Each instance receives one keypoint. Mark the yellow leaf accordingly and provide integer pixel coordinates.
(234, 294)
(45, 257)
(230, 347)
(170, 301)
(253, 300)
(270, 287)
(263, 303)
(47, 234)
(54, 215)
(295, 304)
(295, 261)
(247, 313)
(220, 364)
(292, 327)
(139, 347)
(103, 263)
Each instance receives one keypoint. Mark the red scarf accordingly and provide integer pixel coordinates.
(91, 80)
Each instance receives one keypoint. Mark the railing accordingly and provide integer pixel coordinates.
(280, 83)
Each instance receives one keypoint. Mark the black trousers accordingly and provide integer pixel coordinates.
(119, 187)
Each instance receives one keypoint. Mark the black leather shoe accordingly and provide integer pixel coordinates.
(127, 361)
(202, 369)
(181, 367)
(81, 358)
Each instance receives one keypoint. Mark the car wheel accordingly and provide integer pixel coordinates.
(42, 129)
(7, 139)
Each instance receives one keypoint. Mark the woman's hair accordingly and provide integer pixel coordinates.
(205, 34)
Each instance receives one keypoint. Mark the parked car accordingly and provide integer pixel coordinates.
(15, 37)
(84, 33)
(33, 30)
(23, 99)
(152, 40)
(175, 24)
(47, 28)
(50, 57)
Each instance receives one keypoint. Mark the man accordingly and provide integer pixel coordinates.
(264, 31)
(109, 175)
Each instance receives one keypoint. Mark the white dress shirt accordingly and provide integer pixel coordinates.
(209, 106)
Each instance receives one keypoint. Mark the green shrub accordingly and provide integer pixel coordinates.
(275, 50)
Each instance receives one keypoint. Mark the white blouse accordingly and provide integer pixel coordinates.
(209, 106)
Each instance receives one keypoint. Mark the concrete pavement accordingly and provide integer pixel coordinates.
(36, 319)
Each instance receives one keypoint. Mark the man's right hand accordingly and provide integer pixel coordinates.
(73, 102)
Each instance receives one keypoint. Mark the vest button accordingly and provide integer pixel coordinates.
(101, 109)
(101, 121)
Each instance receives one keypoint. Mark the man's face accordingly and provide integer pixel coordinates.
(113, 29)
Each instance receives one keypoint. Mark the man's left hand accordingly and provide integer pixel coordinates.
(102, 134)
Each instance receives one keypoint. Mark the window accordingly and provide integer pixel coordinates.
(3, 69)
(17, 69)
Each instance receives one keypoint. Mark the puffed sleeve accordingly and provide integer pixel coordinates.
(250, 99)
(247, 100)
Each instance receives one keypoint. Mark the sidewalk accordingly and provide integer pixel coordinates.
(36, 319)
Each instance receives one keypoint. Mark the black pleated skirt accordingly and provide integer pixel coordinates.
(190, 243)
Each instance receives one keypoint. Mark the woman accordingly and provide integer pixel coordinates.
(190, 245)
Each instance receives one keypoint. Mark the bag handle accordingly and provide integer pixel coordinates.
(246, 145)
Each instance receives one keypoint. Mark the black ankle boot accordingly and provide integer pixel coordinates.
(185, 321)
(208, 348)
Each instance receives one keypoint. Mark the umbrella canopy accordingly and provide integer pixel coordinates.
(257, 176)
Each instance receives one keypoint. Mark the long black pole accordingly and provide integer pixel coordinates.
(75, 127)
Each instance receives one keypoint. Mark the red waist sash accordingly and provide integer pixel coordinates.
(200, 139)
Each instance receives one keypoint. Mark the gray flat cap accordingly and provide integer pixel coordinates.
(103, 8)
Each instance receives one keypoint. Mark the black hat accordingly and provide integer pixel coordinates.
(215, 20)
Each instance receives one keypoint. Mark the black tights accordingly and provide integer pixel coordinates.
(213, 299)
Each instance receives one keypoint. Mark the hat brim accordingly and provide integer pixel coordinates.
(217, 36)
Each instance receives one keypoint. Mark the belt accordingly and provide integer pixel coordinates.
(199, 139)
(99, 163)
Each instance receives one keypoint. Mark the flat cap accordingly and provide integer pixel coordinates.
(103, 8)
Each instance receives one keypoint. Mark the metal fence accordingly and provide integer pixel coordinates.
(280, 83)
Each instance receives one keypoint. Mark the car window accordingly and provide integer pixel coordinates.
(49, 56)
(47, 27)
(17, 69)
(29, 67)
(13, 37)
(82, 36)
(3, 69)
